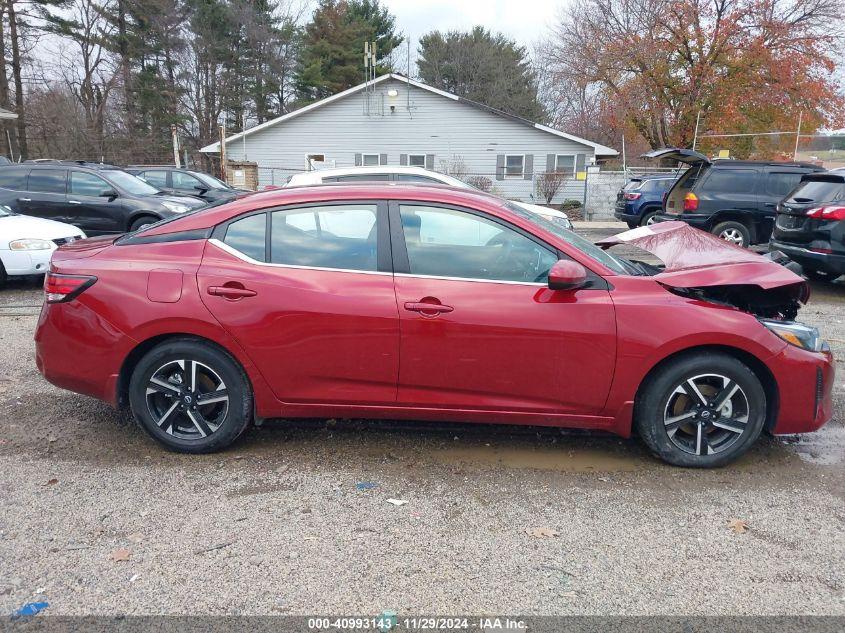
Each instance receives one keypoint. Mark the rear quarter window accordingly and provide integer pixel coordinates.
(730, 181)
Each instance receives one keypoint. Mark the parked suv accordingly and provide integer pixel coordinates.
(641, 199)
(186, 182)
(99, 199)
(810, 225)
(734, 199)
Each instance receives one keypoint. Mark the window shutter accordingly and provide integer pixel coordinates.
(359, 160)
(528, 167)
(429, 161)
(500, 166)
(580, 163)
(550, 163)
(382, 159)
(403, 159)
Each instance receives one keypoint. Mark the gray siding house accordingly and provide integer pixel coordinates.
(393, 120)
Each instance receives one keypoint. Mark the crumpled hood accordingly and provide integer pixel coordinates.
(695, 259)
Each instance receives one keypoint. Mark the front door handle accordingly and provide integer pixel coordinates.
(433, 308)
(231, 292)
(74, 202)
(24, 199)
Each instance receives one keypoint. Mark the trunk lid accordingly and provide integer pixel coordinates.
(701, 265)
(83, 248)
(688, 156)
(792, 224)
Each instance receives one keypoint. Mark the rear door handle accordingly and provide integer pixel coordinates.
(24, 199)
(231, 292)
(74, 202)
(428, 307)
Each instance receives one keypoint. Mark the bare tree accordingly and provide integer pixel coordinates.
(549, 183)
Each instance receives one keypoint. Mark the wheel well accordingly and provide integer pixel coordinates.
(767, 380)
(135, 356)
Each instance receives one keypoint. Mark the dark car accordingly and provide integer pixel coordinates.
(187, 182)
(99, 199)
(641, 199)
(810, 225)
(734, 199)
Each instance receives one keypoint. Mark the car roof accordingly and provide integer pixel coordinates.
(332, 192)
(53, 164)
(728, 162)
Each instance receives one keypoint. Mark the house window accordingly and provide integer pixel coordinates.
(514, 165)
(416, 160)
(565, 164)
(370, 160)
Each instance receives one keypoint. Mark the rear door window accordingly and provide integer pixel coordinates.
(342, 236)
(13, 178)
(248, 236)
(48, 180)
(157, 178)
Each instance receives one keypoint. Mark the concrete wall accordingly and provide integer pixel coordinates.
(602, 187)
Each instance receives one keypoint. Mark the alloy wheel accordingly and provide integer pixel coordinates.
(187, 399)
(706, 414)
(734, 236)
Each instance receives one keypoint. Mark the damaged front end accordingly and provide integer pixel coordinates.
(780, 303)
(701, 266)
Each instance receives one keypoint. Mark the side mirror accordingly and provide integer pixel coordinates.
(108, 193)
(567, 275)
(200, 188)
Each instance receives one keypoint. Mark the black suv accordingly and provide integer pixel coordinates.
(810, 225)
(734, 199)
(186, 182)
(99, 199)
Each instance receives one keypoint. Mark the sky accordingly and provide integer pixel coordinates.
(522, 20)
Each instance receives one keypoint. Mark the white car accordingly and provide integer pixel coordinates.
(412, 175)
(27, 243)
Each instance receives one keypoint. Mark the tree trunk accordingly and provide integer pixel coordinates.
(16, 73)
(7, 127)
(125, 69)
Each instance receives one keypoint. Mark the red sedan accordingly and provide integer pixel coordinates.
(431, 303)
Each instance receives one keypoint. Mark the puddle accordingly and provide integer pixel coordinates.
(825, 447)
(559, 458)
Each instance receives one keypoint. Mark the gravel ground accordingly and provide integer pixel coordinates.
(278, 525)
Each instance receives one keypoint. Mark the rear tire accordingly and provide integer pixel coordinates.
(169, 386)
(647, 218)
(733, 232)
(142, 222)
(679, 417)
(3, 275)
(820, 275)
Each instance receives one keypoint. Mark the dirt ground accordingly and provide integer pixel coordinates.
(294, 519)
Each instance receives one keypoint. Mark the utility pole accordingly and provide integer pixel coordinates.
(624, 161)
(223, 152)
(797, 136)
(695, 134)
(175, 138)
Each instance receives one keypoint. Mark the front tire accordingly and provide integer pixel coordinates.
(191, 396)
(701, 410)
(141, 223)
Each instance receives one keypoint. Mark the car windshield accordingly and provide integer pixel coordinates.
(211, 181)
(5, 211)
(129, 183)
(617, 264)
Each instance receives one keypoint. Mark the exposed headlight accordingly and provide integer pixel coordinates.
(797, 334)
(175, 206)
(30, 244)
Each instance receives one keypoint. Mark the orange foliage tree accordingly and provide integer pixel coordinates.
(746, 65)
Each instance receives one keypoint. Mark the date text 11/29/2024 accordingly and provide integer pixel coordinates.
(388, 621)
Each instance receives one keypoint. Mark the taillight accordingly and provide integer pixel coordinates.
(827, 213)
(632, 196)
(690, 202)
(60, 288)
